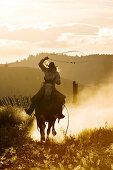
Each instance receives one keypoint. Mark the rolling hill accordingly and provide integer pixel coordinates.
(25, 77)
(89, 69)
(26, 81)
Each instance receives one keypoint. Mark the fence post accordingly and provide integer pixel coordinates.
(75, 92)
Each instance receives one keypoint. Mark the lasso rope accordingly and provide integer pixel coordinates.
(71, 52)
(62, 61)
(67, 122)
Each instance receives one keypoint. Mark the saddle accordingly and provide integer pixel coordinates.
(51, 107)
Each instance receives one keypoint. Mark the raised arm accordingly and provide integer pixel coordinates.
(41, 64)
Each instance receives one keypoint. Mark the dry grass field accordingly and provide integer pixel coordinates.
(89, 150)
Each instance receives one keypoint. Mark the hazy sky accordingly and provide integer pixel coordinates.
(29, 26)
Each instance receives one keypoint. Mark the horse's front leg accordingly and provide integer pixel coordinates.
(41, 125)
(42, 132)
(48, 130)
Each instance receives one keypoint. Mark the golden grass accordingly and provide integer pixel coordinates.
(91, 149)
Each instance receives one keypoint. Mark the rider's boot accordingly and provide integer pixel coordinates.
(28, 112)
(60, 116)
(31, 109)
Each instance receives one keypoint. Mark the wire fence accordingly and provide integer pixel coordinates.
(20, 101)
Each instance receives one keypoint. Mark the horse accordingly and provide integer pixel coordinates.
(47, 111)
(48, 104)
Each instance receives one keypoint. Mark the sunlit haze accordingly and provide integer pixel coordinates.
(28, 27)
(91, 111)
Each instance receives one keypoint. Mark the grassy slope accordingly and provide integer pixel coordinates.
(26, 81)
(93, 69)
(92, 149)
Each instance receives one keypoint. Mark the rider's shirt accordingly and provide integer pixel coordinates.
(50, 76)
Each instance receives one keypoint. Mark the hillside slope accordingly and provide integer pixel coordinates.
(26, 81)
(89, 69)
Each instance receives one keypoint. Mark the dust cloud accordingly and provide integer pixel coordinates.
(94, 109)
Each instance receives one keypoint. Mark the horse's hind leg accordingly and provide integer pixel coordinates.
(53, 129)
(51, 125)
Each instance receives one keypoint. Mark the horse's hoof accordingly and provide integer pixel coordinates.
(42, 139)
(54, 133)
(42, 142)
(47, 139)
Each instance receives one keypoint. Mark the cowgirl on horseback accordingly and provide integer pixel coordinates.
(51, 78)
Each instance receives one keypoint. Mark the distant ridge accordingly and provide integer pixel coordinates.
(91, 69)
(26, 81)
